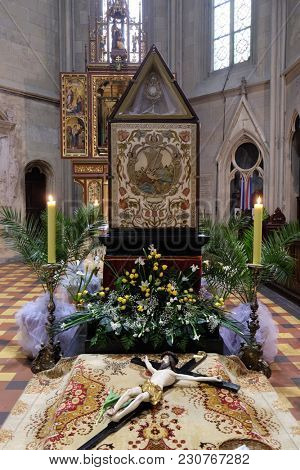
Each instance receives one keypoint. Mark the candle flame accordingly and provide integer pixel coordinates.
(96, 202)
(259, 200)
(50, 198)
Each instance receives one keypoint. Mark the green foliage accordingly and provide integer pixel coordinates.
(230, 249)
(75, 236)
(152, 303)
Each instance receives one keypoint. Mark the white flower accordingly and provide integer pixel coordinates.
(196, 337)
(145, 284)
(114, 325)
(140, 261)
(173, 299)
(206, 262)
(62, 326)
(194, 268)
(226, 268)
(179, 307)
(77, 262)
(152, 247)
(80, 273)
(185, 279)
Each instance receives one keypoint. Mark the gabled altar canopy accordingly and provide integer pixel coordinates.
(153, 94)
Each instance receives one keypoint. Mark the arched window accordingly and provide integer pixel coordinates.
(231, 32)
(296, 170)
(246, 177)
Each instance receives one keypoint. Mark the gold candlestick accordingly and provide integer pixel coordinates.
(50, 353)
(251, 353)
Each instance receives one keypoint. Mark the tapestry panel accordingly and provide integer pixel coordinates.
(154, 168)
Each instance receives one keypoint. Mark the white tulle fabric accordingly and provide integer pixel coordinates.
(266, 335)
(31, 320)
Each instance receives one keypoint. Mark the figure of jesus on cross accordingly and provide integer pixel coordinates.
(152, 389)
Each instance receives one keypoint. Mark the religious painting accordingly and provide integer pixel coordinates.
(74, 115)
(75, 135)
(154, 168)
(106, 91)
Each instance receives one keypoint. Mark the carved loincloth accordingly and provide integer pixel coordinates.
(155, 392)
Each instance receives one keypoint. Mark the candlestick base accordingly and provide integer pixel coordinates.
(251, 353)
(49, 354)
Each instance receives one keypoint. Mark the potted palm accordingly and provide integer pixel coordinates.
(75, 239)
(226, 272)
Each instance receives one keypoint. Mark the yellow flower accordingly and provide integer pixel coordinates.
(217, 304)
(123, 307)
(140, 308)
(107, 289)
(155, 268)
(131, 276)
(194, 300)
(124, 301)
(79, 295)
(119, 299)
(133, 283)
(147, 294)
(161, 274)
(133, 271)
(158, 255)
(102, 294)
(127, 273)
(102, 288)
(185, 299)
(164, 267)
(191, 290)
(136, 276)
(174, 292)
(126, 297)
(185, 291)
(149, 256)
(124, 280)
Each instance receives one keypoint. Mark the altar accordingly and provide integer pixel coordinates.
(59, 408)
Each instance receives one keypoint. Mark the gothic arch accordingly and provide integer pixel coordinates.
(38, 183)
(243, 128)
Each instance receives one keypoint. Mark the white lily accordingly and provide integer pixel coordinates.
(140, 261)
(194, 268)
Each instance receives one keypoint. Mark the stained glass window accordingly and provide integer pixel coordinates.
(231, 32)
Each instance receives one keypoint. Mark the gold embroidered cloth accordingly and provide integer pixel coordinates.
(58, 409)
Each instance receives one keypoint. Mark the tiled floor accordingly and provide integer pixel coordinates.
(18, 286)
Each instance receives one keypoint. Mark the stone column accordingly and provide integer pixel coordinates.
(67, 64)
(274, 180)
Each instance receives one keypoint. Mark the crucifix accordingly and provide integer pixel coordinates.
(138, 399)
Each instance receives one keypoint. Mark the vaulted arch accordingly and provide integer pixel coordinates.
(243, 128)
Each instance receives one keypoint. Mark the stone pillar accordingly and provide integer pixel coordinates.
(274, 180)
(67, 64)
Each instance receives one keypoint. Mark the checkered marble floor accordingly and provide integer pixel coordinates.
(18, 286)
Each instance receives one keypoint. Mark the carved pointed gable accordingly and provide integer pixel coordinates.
(153, 94)
(243, 126)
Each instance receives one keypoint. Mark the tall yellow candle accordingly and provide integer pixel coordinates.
(105, 199)
(257, 238)
(51, 208)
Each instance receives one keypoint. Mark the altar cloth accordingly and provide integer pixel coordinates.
(58, 409)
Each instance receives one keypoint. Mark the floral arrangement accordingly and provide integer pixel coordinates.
(151, 303)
